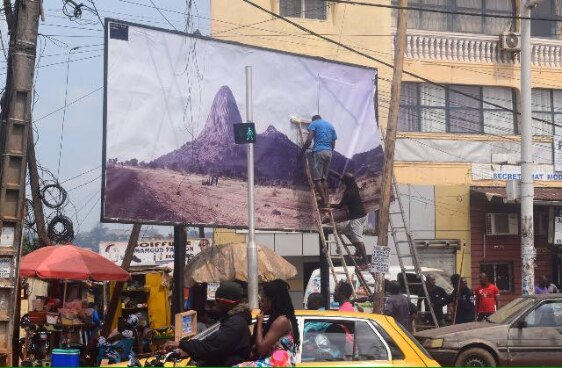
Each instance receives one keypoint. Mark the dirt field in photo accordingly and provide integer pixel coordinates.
(139, 194)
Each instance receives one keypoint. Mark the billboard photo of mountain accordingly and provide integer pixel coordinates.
(169, 153)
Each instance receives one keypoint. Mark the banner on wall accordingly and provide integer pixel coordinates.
(152, 252)
(171, 100)
(513, 172)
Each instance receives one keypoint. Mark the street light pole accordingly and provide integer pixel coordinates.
(528, 252)
(252, 252)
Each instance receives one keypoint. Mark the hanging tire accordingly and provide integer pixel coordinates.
(475, 357)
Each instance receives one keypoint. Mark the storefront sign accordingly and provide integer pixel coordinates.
(151, 252)
(380, 262)
(513, 172)
(558, 226)
(5, 268)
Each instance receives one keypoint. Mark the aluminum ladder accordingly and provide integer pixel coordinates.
(336, 243)
(406, 250)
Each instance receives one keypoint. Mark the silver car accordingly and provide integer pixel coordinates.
(525, 332)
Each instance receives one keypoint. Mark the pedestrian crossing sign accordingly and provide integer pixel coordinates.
(244, 133)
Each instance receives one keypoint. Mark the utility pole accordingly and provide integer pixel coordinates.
(389, 143)
(15, 123)
(36, 192)
(252, 252)
(528, 252)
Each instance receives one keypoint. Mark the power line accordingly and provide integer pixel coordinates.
(81, 174)
(64, 109)
(387, 64)
(69, 104)
(84, 184)
(162, 14)
(436, 10)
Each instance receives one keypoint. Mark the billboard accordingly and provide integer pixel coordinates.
(155, 252)
(171, 100)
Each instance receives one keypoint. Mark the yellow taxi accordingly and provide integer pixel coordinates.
(351, 339)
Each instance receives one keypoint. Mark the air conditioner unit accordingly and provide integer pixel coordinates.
(502, 224)
(510, 41)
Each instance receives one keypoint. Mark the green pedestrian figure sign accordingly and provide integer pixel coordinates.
(244, 133)
(250, 135)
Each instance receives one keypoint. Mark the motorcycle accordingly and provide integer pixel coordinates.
(34, 347)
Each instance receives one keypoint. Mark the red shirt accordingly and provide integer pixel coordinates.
(486, 297)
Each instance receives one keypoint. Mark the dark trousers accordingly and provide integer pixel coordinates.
(482, 316)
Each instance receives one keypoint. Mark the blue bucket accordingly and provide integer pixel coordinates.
(65, 358)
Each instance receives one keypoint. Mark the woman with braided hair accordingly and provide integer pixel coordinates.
(277, 340)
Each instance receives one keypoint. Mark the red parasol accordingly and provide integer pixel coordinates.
(70, 262)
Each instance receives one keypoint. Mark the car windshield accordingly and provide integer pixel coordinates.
(510, 310)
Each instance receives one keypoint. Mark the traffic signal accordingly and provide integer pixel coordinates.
(244, 133)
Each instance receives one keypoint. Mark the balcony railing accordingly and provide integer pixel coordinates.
(474, 48)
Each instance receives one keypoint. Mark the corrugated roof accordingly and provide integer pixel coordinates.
(541, 194)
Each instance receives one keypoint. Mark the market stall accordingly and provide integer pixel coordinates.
(63, 323)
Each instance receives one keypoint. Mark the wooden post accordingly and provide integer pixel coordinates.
(36, 192)
(389, 143)
(116, 294)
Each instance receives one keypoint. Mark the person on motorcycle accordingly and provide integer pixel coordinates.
(231, 343)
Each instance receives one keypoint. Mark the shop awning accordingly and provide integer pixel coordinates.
(541, 194)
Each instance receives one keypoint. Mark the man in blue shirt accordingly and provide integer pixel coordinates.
(324, 136)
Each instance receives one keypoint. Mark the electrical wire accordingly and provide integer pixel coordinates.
(64, 108)
(439, 11)
(81, 174)
(385, 63)
(163, 16)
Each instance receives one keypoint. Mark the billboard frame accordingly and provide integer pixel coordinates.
(104, 219)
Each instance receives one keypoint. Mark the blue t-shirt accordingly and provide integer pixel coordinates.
(324, 135)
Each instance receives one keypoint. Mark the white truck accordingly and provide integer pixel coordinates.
(442, 279)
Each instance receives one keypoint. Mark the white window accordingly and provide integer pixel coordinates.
(309, 9)
(455, 21)
(458, 109)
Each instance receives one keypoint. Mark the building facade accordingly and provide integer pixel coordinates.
(458, 142)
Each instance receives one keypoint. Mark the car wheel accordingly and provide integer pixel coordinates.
(475, 357)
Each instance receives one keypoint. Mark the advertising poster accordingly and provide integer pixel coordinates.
(171, 101)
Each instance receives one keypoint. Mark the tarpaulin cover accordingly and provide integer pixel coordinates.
(230, 262)
(169, 151)
(70, 262)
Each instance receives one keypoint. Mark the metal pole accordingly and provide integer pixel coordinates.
(252, 250)
(528, 252)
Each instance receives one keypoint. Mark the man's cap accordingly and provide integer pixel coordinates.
(229, 292)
